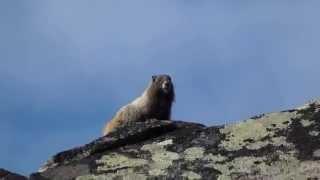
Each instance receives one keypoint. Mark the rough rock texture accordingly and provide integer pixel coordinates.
(6, 175)
(284, 145)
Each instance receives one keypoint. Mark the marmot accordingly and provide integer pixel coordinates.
(154, 103)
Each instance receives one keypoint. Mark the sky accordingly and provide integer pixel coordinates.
(66, 67)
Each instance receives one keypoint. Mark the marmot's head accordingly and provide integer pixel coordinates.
(162, 86)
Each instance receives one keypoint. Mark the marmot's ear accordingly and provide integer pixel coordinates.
(154, 78)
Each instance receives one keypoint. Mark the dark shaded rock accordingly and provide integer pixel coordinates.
(6, 175)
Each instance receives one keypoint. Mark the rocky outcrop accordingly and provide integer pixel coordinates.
(7, 175)
(283, 145)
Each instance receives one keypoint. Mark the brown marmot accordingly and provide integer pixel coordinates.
(154, 103)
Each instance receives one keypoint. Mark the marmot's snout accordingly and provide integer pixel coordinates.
(167, 85)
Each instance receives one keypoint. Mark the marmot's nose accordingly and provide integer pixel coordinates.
(166, 84)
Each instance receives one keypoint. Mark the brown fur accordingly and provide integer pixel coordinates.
(155, 103)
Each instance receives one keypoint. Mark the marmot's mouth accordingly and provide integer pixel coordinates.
(166, 86)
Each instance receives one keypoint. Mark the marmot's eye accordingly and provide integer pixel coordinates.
(154, 78)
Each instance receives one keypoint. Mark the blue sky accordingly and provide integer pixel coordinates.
(67, 66)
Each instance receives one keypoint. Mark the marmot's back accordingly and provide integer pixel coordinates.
(155, 103)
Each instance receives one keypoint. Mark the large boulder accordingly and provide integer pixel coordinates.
(283, 145)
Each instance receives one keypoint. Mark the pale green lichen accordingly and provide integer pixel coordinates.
(255, 130)
(255, 134)
(310, 169)
(164, 159)
(257, 145)
(193, 153)
(157, 172)
(94, 177)
(191, 175)
(126, 167)
(111, 176)
(306, 123)
(161, 158)
(165, 143)
(286, 167)
(314, 133)
(241, 164)
(214, 158)
(116, 161)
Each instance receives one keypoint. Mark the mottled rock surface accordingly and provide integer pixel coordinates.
(283, 145)
(7, 175)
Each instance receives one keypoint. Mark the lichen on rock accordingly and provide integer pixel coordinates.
(114, 161)
(161, 157)
(252, 132)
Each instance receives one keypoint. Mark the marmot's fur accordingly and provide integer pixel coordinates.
(154, 103)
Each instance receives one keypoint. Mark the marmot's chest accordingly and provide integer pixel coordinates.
(157, 111)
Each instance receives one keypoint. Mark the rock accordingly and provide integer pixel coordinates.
(6, 175)
(283, 145)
